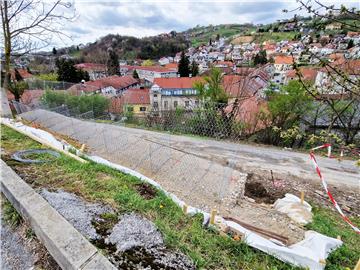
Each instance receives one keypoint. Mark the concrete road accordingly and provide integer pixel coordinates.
(239, 156)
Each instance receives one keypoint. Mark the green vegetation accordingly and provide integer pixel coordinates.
(53, 77)
(68, 73)
(97, 104)
(331, 224)
(202, 35)
(131, 48)
(9, 213)
(209, 250)
(113, 63)
(99, 183)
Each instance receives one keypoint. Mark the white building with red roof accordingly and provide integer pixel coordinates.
(109, 86)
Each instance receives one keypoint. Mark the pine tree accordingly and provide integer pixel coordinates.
(260, 58)
(350, 44)
(194, 68)
(68, 73)
(113, 64)
(183, 66)
(54, 51)
(135, 74)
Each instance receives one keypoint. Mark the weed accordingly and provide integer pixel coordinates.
(10, 215)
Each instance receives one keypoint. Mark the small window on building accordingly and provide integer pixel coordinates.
(175, 104)
(155, 95)
(142, 109)
(187, 104)
(165, 105)
(130, 109)
(155, 104)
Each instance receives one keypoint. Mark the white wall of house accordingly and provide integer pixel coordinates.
(150, 75)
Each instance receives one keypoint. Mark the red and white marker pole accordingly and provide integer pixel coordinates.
(317, 168)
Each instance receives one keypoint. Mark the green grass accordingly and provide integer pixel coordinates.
(9, 213)
(207, 248)
(275, 36)
(331, 224)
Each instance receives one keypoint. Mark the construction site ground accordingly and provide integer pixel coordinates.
(208, 173)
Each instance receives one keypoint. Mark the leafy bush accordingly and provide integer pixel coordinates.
(53, 77)
(80, 104)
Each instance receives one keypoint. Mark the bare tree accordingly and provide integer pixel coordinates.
(29, 25)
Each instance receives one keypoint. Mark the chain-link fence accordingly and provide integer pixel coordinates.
(176, 162)
(37, 84)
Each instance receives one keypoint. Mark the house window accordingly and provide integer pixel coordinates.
(155, 95)
(142, 109)
(155, 104)
(130, 109)
(165, 105)
(187, 104)
(175, 104)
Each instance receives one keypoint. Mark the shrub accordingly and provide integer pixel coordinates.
(80, 104)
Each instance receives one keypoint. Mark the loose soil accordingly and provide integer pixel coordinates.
(146, 191)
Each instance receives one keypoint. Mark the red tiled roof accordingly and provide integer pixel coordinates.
(306, 73)
(155, 68)
(23, 73)
(136, 96)
(173, 66)
(118, 82)
(245, 86)
(28, 97)
(284, 59)
(225, 63)
(91, 66)
(182, 82)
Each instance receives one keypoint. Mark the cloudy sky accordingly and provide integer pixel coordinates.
(146, 18)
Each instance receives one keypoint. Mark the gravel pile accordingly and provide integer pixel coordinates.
(134, 231)
(75, 210)
(14, 252)
(140, 246)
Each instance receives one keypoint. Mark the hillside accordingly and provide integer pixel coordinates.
(130, 48)
(201, 34)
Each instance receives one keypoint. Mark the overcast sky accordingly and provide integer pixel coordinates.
(146, 18)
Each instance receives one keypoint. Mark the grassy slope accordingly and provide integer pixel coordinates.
(208, 250)
(222, 30)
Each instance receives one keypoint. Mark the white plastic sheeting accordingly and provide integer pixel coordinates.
(292, 206)
(310, 252)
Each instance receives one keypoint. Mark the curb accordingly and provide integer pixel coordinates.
(66, 245)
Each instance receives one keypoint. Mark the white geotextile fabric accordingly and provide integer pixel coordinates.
(306, 253)
(292, 206)
(46, 136)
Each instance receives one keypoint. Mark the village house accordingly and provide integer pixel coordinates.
(307, 74)
(108, 86)
(96, 71)
(132, 101)
(328, 81)
(333, 26)
(149, 73)
(170, 93)
(283, 63)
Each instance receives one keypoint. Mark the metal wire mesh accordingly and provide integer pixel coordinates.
(149, 143)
